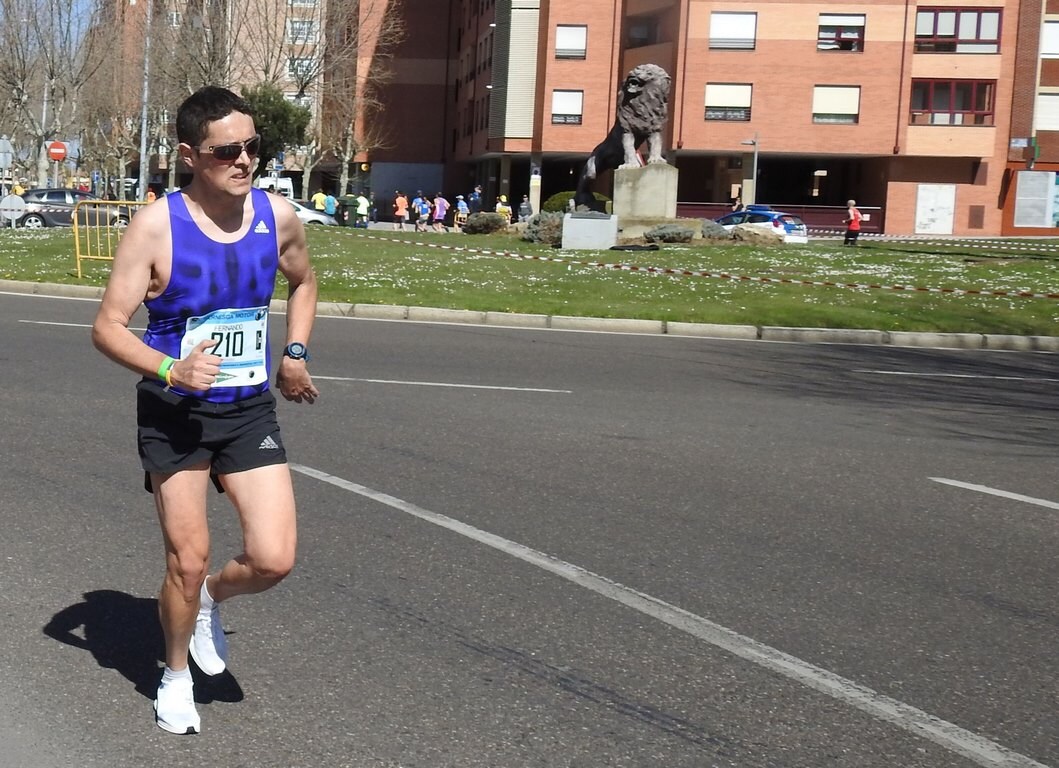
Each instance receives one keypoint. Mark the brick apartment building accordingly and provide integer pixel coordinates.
(931, 113)
(1030, 185)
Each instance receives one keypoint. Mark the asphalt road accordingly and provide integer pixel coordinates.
(542, 548)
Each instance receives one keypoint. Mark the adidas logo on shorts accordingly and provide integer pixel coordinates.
(268, 444)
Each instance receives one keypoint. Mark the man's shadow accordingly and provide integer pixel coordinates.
(122, 632)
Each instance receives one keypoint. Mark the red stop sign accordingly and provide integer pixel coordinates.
(57, 150)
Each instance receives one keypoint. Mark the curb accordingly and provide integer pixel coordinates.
(987, 341)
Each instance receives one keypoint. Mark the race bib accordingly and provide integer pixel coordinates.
(242, 341)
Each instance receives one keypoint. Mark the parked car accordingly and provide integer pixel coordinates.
(794, 229)
(55, 208)
(311, 215)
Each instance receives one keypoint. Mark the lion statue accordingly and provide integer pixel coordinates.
(642, 111)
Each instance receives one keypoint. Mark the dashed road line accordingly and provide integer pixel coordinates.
(446, 384)
(930, 375)
(996, 492)
(949, 736)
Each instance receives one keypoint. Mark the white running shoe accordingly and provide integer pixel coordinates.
(174, 707)
(209, 646)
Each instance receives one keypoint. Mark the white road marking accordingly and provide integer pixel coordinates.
(70, 325)
(976, 748)
(445, 384)
(52, 322)
(997, 492)
(366, 380)
(918, 374)
(47, 296)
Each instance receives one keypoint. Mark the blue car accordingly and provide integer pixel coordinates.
(793, 228)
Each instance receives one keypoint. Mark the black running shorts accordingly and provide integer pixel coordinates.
(176, 432)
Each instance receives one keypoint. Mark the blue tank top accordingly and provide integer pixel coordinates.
(220, 291)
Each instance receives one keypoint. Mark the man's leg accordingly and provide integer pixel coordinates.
(180, 500)
(264, 498)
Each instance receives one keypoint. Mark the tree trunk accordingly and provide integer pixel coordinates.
(42, 164)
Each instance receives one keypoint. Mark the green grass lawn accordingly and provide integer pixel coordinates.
(355, 266)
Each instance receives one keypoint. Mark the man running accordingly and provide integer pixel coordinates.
(203, 260)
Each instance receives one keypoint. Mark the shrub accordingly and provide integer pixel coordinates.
(545, 227)
(711, 230)
(484, 223)
(560, 201)
(669, 233)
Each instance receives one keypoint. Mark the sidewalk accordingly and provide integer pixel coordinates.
(618, 325)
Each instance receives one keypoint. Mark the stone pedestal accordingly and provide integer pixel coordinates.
(589, 231)
(649, 192)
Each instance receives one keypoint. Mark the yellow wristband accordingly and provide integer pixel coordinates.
(169, 377)
(163, 369)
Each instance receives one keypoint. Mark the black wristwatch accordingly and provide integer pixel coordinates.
(296, 351)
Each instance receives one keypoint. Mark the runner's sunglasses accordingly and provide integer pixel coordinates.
(229, 153)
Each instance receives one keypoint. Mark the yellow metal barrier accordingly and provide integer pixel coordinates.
(98, 226)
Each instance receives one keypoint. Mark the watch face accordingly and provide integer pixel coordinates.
(295, 350)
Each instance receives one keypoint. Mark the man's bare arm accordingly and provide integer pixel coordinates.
(293, 375)
(134, 277)
(130, 281)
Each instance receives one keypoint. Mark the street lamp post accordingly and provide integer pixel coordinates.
(753, 181)
(141, 183)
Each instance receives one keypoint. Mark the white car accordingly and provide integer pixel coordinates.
(790, 227)
(312, 216)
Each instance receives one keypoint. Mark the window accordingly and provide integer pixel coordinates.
(1050, 40)
(303, 2)
(567, 107)
(299, 67)
(735, 31)
(172, 18)
(571, 41)
(728, 101)
(952, 102)
(957, 30)
(840, 32)
(641, 31)
(1046, 113)
(301, 30)
(836, 104)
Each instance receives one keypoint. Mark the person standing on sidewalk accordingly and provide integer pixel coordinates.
(853, 219)
(203, 261)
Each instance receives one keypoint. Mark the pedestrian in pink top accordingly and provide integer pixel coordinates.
(441, 207)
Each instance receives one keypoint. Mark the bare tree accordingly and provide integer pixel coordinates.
(327, 54)
(111, 108)
(49, 56)
(355, 56)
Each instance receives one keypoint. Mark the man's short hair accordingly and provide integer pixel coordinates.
(206, 105)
